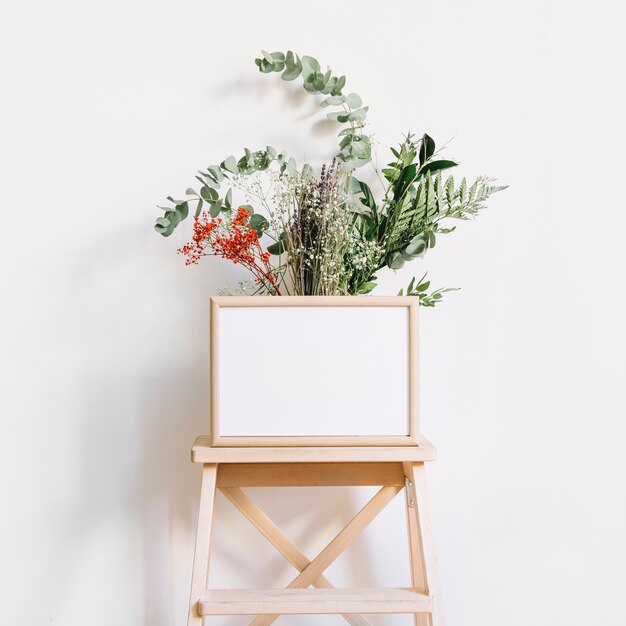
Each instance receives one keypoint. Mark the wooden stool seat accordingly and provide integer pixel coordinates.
(202, 452)
(310, 592)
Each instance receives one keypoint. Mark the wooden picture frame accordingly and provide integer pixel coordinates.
(233, 343)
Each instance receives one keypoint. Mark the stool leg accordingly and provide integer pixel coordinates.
(423, 560)
(200, 574)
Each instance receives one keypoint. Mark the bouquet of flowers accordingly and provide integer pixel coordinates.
(325, 233)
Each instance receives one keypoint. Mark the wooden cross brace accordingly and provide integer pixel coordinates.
(310, 572)
(230, 479)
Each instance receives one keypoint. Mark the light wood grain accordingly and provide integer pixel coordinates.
(276, 537)
(426, 560)
(204, 452)
(214, 360)
(312, 601)
(231, 468)
(256, 301)
(416, 554)
(413, 367)
(336, 547)
(204, 531)
(309, 474)
(313, 441)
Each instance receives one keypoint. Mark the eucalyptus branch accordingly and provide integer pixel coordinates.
(355, 148)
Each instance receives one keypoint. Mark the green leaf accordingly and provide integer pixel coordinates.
(307, 171)
(228, 200)
(417, 246)
(183, 211)
(291, 166)
(216, 172)
(354, 101)
(291, 74)
(198, 207)
(280, 246)
(341, 82)
(434, 166)
(427, 148)
(264, 66)
(216, 208)
(163, 226)
(329, 86)
(208, 194)
(406, 177)
(390, 173)
(361, 148)
(309, 66)
(230, 165)
(332, 101)
(368, 197)
(366, 287)
(358, 114)
(277, 57)
(396, 262)
(258, 223)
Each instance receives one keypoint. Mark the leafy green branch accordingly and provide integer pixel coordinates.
(419, 290)
(417, 200)
(423, 212)
(211, 180)
(355, 148)
(415, 206)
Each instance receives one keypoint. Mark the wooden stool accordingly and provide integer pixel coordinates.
(392, 468)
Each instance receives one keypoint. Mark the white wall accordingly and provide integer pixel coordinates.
(108, 107)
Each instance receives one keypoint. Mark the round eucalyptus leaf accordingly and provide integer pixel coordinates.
(163, 226)
(354, 101)
(309, 66)
(259, 223)
(341, 82)
(182, 210)
(209, 194)
(291, 74)
(216, 171)
(396, 262)
(230, 165)
(417, 246)
(216, 207)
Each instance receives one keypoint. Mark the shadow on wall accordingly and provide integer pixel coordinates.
(176, 411)
(263, 88)
(140, 413)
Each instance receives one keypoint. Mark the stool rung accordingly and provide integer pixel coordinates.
(312, 601)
